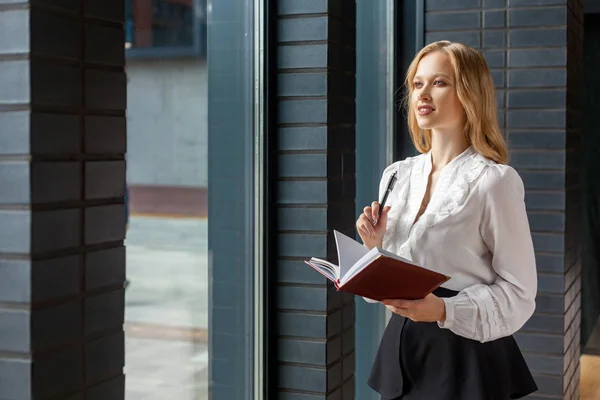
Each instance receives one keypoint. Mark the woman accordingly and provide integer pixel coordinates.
(458, 209)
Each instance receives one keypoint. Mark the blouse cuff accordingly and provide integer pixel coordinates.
(461, 315)
(449, 321)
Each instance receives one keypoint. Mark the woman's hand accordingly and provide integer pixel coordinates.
(372, 236)
(429, 309)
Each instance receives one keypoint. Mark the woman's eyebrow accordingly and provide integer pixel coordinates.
(440, 74)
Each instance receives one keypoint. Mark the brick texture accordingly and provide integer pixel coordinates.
(315, 194)
(534, 50)
(62, 173)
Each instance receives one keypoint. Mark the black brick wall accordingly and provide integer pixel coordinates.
(315, 194)
(62, 218)
(533, 48)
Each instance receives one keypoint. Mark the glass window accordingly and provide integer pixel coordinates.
(375, 112)
(388, 36)
(191, 270)
(167, 301)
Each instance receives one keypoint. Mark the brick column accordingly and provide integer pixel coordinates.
(315, 194)
(62, 218)
(534, 49)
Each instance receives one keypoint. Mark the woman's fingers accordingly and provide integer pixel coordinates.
(360, 226)
(370, 214)
(366, 225)
(400, 303)
(381, 221)
(363, 233)
(404, 312)
(428, 309)
(374, 211)
(365, 219)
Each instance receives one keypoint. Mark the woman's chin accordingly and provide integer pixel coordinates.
(425, 122)
(425, 125)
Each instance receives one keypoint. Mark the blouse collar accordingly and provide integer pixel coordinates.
(452, 189)
(455, 161)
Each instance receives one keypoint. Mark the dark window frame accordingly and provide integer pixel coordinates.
(239, 367)
(198, 49)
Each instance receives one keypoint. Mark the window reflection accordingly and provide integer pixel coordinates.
(165, 25)
(167, 292)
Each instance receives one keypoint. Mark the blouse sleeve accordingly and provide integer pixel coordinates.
(488, 312)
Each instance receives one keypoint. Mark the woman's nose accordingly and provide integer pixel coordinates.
(424, 95)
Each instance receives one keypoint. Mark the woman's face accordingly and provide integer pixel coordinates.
(434, 99)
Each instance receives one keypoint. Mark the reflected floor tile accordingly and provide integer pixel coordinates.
(161, 369)
(167, 266)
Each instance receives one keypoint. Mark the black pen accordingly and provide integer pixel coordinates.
(390, 187)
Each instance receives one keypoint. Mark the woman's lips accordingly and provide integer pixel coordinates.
(425, 110)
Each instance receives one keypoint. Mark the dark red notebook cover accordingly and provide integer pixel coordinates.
(390, 278)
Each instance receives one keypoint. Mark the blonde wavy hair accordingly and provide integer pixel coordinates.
(475, 90)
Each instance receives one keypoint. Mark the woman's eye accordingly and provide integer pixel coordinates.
(418, 84)
(438, 83)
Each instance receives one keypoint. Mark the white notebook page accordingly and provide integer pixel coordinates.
(349, 251)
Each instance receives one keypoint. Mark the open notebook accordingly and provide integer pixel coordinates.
(376, 274)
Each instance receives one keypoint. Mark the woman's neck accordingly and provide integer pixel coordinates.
(445, 147)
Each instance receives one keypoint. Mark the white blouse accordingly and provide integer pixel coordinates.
(475, 230)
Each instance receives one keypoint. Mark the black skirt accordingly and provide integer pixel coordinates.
(420, 360)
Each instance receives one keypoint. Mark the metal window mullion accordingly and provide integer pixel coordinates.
(259, 163)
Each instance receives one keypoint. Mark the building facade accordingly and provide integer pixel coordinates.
(302, 116)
